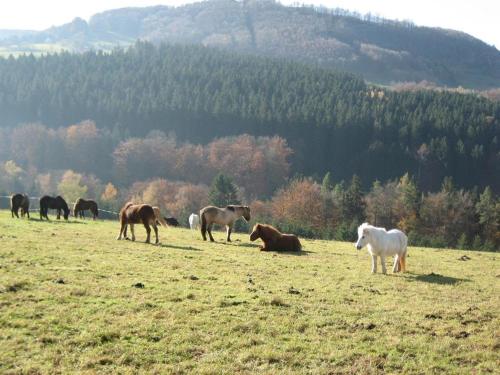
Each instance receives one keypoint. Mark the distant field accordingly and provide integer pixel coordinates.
(70, 301)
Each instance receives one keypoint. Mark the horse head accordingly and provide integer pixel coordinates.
(246, 213)
(363, 236)
(255, 232)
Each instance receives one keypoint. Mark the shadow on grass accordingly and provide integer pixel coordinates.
(55, 221)
(179, 247)
(435, 278)
(256, 246)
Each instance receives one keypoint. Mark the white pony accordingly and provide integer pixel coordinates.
(383, 243)
(194, 221)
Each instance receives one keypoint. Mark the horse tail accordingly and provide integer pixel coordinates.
(203, 223)
(162, 221)
(402, 258)
(158, 216)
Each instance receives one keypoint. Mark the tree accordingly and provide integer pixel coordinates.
(223, 192)
(353, 205)
(488, 210)
(327, 184)
(70, 186)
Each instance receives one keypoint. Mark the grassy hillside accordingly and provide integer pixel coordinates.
(383, 51)
(68, 302)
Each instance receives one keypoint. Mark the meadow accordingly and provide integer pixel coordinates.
(73, 299)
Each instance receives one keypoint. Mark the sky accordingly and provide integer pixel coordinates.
(479, 18)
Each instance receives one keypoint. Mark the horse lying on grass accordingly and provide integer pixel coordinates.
(144, 214)
(223, 216)
(383, 243)
(20, 201)
(274, 240)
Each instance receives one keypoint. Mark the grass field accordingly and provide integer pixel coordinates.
(73, 299)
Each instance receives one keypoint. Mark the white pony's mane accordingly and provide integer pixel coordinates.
(364, 226)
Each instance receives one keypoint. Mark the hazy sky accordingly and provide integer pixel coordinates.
(479, 18)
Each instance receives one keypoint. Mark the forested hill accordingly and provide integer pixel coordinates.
(380, 50)
(333, 122)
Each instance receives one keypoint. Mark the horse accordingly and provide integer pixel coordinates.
(381, 242)
(274, 240)
(20, 201)
(81, 205)
(194, 221)
(223, 216)
(172, 221)
(57, 203)
(132, 214)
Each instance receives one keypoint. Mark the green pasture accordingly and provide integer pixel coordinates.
(74, 299)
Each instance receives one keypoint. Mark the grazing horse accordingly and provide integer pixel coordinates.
(57, 203)
(194, 221)
(383, 243)
(274, 240)
(223, 216)
(20, 201)
(132, 214)
(81, 205)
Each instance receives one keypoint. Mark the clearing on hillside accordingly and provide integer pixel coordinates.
(72, 298)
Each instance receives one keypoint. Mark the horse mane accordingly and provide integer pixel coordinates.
(364, 226)
(267, 232)
(231, 208)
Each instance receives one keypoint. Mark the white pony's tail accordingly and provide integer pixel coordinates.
(402, 257)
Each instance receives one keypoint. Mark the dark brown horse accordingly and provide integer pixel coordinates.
(57, 203)
(20, 201)
(82, 205)
(132, 214)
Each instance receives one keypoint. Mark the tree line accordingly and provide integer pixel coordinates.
(332, 121)
(84, 161)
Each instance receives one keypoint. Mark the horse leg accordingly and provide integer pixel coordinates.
(382, 262)
(148, 231)
(123, 231)
(209, 230)
(395, 267)
(229, 228)
(374, 264)
(155, 228)
(28, 213)
(132, 231)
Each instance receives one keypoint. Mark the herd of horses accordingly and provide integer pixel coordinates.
(379, 242)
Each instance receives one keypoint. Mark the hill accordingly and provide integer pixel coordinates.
(75, 299)
(333, 121)
(380, 50)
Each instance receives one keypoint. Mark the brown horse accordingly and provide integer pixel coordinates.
(274, 240)
(223, 216)
(81, 205)
(20, 201)
(137, 214)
